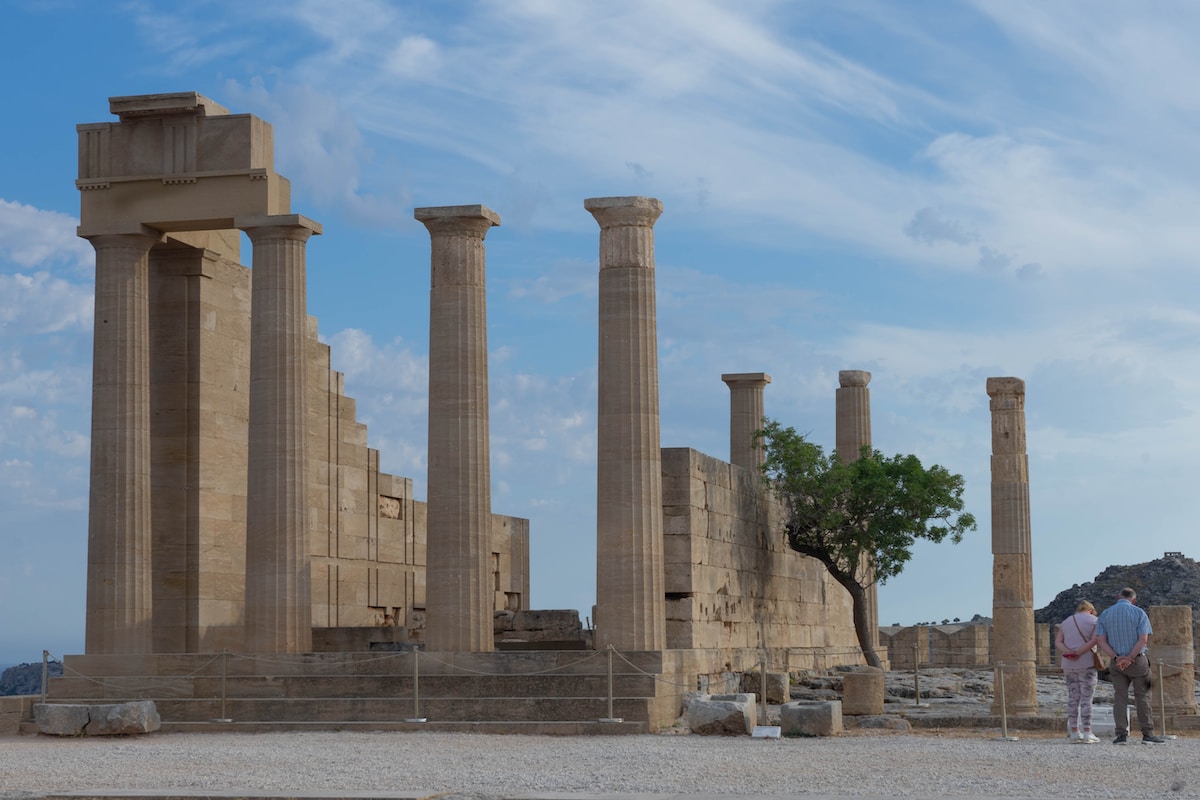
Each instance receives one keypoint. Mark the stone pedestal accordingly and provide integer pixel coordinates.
(863, 692)
(1013, 636)
(119, 541)
(745, 417)
(278, 553)
(1172, 649)
(459, 597)
(630, 606)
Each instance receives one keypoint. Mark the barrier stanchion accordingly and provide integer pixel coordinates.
(45, 673)
(416, 717)
(1003, 704)
(917, 677)
(610, 717)
(763, 687)
(224, 695)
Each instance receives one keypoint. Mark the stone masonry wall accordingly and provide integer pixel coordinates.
(367, 532)
(731, 579)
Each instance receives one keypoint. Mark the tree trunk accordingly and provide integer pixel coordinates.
(862, 620)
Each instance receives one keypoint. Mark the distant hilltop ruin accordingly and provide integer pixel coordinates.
(1173, 580)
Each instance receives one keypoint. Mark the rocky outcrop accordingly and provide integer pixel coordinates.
(27, 678)
(1173, 580)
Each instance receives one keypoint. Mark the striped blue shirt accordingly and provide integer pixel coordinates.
(1122, 624)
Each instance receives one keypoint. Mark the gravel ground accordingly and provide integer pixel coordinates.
(858, 764)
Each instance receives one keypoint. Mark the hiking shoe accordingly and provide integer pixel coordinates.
(1152, 739)
(1087, 737)
(1122, 738)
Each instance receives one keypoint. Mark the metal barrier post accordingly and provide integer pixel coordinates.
(1162, 699)
(610, 717)
(763, 686)
(45, 673)
(416, 717)
(916, 676)
(1003, 704)
(224, 673)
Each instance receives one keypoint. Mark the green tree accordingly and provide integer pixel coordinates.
(860, 518)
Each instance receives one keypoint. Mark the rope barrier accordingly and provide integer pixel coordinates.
(330, 663)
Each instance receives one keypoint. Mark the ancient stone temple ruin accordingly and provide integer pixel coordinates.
(236, 506)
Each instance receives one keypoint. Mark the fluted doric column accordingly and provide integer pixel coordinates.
(119, 613)
(745, 417)
(458, 595)
(278, 553)
(852, 423)
(630, 607)
(1013, 637)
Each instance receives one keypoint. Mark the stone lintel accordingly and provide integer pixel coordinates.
(118, 229)
(436, 213)
(141, 106)
(848, 378)
(277, 220)
(746, 377)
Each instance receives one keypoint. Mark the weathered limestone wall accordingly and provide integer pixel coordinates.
(730, 584)
(366, 531)
(938, 645)
(900, 642)
(200, 372)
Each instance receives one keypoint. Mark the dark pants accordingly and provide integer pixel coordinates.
(1136, 675)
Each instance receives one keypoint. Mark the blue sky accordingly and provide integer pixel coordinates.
(935, 192)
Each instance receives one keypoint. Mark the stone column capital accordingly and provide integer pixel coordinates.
(997, 387)
(296, 227)
(615, 212)
(473, 220)
(853, 378)
(132, 236)
(747, 379)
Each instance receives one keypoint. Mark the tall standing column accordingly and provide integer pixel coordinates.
(1013, 638)
(630, 606)
(119, 536)
(278, 554)
(458, 595)
(852, 422)
(745, 417)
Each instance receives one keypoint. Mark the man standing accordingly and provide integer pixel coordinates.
(1123, 630)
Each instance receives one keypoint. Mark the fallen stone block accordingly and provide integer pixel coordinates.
(778, 686)
(811, 719)
(882, 722)
(721, 714)
(124, 718)
(109, 719)
(55, 719)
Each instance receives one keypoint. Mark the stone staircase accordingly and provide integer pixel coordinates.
(563, 692)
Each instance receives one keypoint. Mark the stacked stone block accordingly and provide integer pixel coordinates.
(1172, 653)
(901, 652)
(731, 580)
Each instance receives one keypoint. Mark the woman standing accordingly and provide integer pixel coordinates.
(1076, 641)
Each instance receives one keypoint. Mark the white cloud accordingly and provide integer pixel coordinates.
(30, 237)
(40, 303)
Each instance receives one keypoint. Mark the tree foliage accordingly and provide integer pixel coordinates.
(860, 518)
